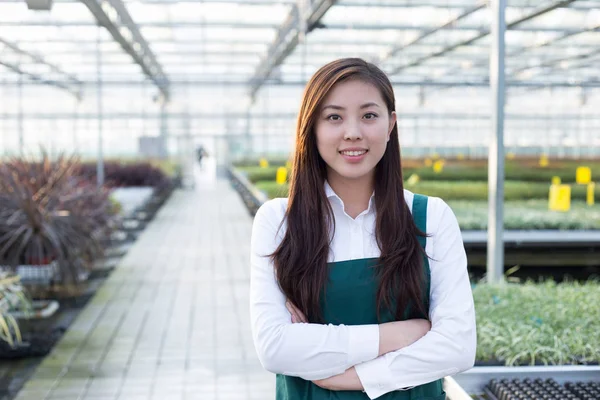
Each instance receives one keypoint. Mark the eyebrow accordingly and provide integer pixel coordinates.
(366, 105)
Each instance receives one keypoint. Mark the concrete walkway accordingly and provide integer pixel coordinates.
(171, 322)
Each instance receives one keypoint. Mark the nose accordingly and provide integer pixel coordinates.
(352, 131)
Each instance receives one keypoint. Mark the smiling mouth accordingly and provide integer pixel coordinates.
(353, 153)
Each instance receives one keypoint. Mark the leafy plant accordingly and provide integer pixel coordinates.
(538, 323)
(256, 174)
(12, 298)
(527, 214)
(447, 190)
(471, 190)
(47, 213)
(253, 162)
(120, 174)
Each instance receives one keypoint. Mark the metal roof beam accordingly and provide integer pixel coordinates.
(287, 38)
(247, 25)
(444, 5)
(229, 79)
(380, 4)
(558, 61)
(197, 47)
(512, 25)
(38, 79)
(519, 52)
(113, 15)
(70, 84)
(396, 49)
(249, 60)
(292, 115)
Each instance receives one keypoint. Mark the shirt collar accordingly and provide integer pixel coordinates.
(332, 195)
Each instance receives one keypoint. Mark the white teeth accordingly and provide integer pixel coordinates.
(354, 153)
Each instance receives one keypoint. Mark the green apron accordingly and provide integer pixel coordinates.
(350, 299)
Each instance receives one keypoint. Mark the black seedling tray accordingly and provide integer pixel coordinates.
(538, 389)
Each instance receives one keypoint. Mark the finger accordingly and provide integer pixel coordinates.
(291, 310)
(299, 315)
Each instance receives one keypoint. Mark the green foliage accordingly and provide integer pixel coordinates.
(116, 208)
(12, 298)
(513, 190)
(515, 170)
(521, 214)
(547, 323)
(457, 190)
(257, 174)
(273, 189)
(253, 162)
(528, 214)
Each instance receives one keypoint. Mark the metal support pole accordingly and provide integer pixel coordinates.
(100, 160)
(249, 148)
(3, 129)
(21, 127)
(266, 124)
(495, 245)
(75, 128)
(163, 129)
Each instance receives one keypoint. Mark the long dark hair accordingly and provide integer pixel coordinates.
(301, 258)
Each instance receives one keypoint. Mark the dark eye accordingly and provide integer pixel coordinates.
(370, 116)
(334, 117)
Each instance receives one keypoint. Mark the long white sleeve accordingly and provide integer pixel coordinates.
(449, 347)
(310, 351)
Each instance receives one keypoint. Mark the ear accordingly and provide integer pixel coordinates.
(393, 119)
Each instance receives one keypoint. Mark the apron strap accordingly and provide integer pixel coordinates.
(419, 212)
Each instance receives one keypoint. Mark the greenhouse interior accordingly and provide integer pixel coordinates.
(140, 140)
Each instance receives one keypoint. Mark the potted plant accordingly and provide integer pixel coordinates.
(51, 221)
(25, 325)
(12, 297)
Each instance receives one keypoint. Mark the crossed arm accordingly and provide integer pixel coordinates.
(392, 336)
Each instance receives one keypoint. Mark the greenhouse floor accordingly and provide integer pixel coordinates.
(171, 321)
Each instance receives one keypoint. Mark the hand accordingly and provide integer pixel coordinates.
(347, 381)
(297, 315)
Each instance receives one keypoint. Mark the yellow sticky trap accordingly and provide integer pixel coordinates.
(560, 198)
(281, 176)
(413, 179)
(590, 193)
(556, 180)
(438, 166)
(510, 156)
(544, 161)
(263, 163)
(460, 156)
(428, 162)
(584, 175)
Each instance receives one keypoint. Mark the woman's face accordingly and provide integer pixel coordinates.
(352, 129)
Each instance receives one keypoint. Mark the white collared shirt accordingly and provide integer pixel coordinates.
(316, 351)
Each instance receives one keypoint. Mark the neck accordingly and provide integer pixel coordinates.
(355, 193)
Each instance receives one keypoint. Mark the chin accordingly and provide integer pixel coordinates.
(353, 174)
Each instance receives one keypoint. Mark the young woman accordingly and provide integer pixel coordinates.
(359, 288)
